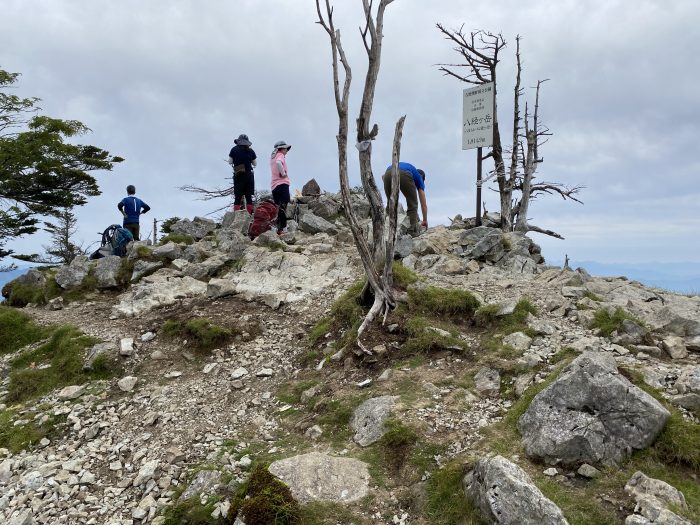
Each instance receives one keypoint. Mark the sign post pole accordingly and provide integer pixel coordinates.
(477, 128)
(478, 186)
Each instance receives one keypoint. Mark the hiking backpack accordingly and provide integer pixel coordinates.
(263, 219)
(114, 242)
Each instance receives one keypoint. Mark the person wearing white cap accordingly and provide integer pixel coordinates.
(280, 182)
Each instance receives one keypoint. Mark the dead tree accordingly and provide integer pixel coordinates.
(379, 255)
(480, 51)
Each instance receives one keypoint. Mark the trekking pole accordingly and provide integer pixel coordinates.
(155, 231)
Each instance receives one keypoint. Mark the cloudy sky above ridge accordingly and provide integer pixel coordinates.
(169, 84)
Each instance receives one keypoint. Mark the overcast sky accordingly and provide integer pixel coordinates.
(169, 84)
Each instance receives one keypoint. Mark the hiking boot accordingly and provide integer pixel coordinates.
(249, 208)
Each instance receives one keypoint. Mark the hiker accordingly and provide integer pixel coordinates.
(242, 158)
(131, 208)
(280, 182)
(412, 185)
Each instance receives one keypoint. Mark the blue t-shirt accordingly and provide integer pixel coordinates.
(243, 155)
(133, 207)
(417, 179)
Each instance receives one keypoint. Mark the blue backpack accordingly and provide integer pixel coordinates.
(115, 238)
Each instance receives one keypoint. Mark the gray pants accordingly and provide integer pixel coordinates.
(408, 188)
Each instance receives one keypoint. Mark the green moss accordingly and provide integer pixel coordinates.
(486, 315)
(347, 309)
(446, 502)
(191, 512)
(17, 330)
(565, 354)
(64, 354)
(126, 270)
(440, 301)
(290, 393)
(593, 297)
(423, 340)
(20, 437)
(177, 238)
(607, 323)
(319, 330)
(403, 277)
(144, 252)
(204, 334)
(267, 500)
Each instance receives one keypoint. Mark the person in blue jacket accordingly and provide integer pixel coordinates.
(412, 186)
(131, 208)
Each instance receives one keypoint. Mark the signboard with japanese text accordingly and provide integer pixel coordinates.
(477, 121)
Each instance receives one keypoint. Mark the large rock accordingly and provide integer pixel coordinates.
(276, 277)
(109, 350)
(504, 494)
(653, 497)
(237, 221)
(107, 270)
(325, 207)
(688, 387)
(144, 268)
(33, 278)
(311, 223)
(206, 481)
(72, 276)
(169, 251)
(160, 289)
(487, 381)
(197, 228)
(590, 414)
(319, 477)
(311, 189)
(369, 418)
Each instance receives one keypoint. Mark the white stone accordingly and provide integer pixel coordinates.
(127, 384)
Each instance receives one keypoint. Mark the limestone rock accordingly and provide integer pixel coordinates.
(311, 223)
(106, 270)
(197, 228)
(487, 381)
(143, 268)
(505, 494)
(311, 189)
(591, 414)
(653, 497)
(71, 392)
(159, 289)
(72, 276)
(127, 384)
(675, 347)
(205, 481)
(319, 477)
(169, 251)
(518, 340)
(108, 349)
(688, 386)
(369, 418)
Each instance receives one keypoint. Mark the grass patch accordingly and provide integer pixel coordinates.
(565, 354)
(177, 238)
(593, 297)
(397, 443)
(334, 416)
(204, 334)
(290, 393)
(403, 277)
(20, 437)
(126, 270)
(88, 285)
(64, 355)
(439, 301)
(446, 502)
(21, 294)
(17, 330)
(319, 330)
(265, 500)
(191, 512)
(607, 323)
(319, 513)
(487, 316)
(423, 338)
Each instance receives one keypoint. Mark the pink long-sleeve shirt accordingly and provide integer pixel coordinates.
(278, 167)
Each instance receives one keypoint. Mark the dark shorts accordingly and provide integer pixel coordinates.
(243, 186)
(134, 229)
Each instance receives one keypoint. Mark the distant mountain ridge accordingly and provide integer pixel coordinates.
(681, 277)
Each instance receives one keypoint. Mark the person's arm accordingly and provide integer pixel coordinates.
(280, 167)
(254, 162)
(423, 207)
(144, 207)
(120, 207)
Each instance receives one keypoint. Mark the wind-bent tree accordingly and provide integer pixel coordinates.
(480, 51)
(379, 281)
(41, 174)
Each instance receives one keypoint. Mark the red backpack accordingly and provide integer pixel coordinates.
(263, 219)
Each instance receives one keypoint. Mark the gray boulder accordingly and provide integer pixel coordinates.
(319, 477)
(590, 414)
(688, 387)
(236, 221)
(360, 206)
(169, 251)
(310, 223)
(325, 207)
(33, 278)
(487, 381)
(206, 481)
(270, 239)
(197, 228)
(369, 418)
(106, 270)
(107, 349)
(653, 498)
(505, 494)
(403, 247)
(144, 268)
(72, 276)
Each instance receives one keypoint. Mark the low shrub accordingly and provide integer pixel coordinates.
(423, 339)
(177, 238)
(266, 500)
(440, 301)
(607, 323)
(17, 330)
(403, 277)
(204, 334)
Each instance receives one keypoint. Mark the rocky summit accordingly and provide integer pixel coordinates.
(215, 379)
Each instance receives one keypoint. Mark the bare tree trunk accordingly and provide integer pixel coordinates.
(379, 284)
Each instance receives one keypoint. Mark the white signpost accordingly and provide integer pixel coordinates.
(477, 128)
